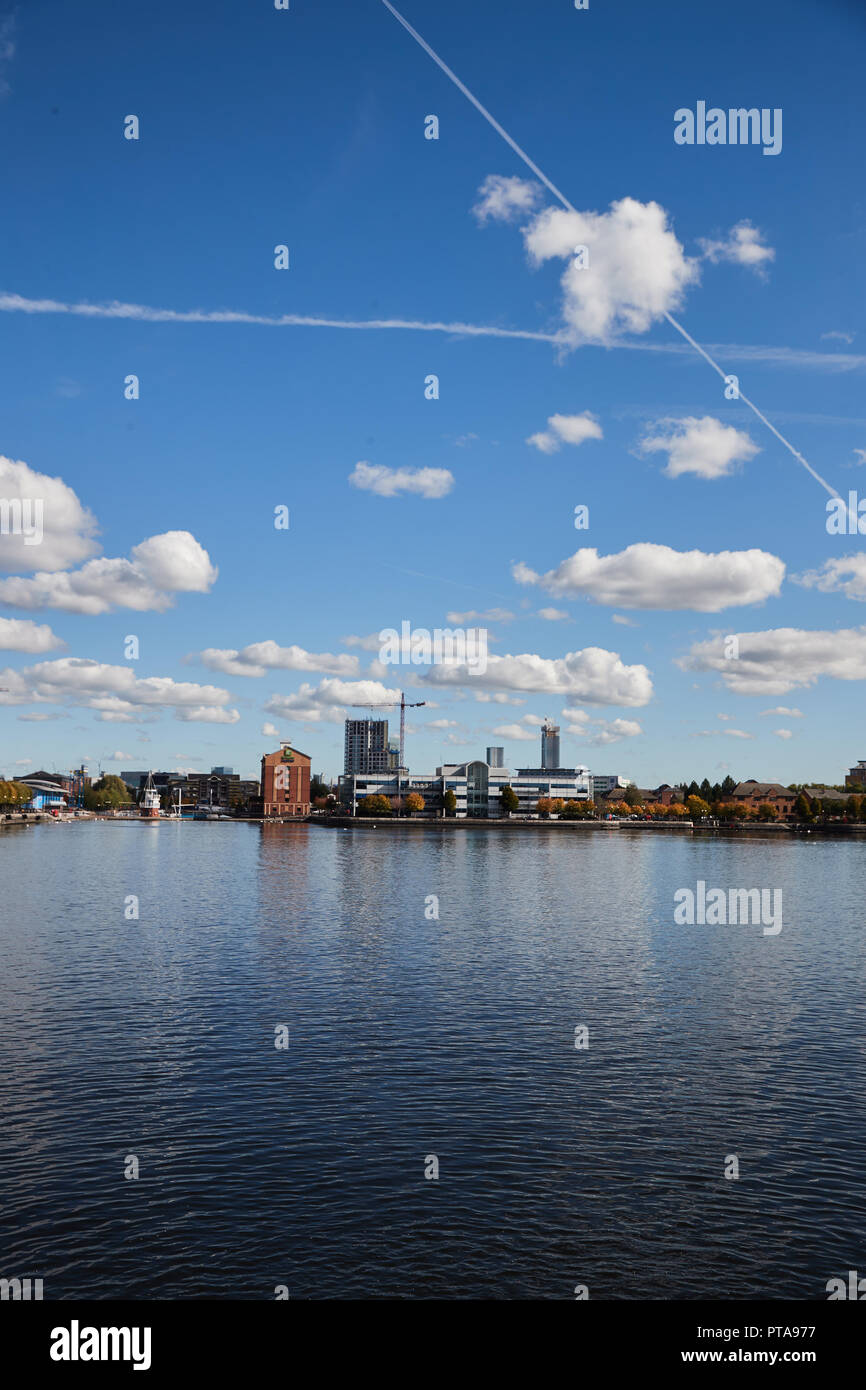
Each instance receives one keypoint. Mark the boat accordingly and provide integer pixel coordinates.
(148, 807)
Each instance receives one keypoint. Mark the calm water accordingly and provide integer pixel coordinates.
(411, 1037)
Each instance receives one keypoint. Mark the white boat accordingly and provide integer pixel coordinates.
(149, 807)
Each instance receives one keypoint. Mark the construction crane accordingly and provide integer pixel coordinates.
(403, 706)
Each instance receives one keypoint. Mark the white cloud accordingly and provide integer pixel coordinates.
(837, 333)
(23, 635)
(110, 690)
(270, 730)
(515, 731)
(119, 757)
(489, 615)
(845, 575)
(594, 675)
(622, 620)
(783, 710)
(371, 643)
(781, 659)
(655, 576)
(389, 482)
(552, 615)
(506, 199)
(208, 714)
(162, 565)
(599, 732)
(637, 270)
(743, 245)
(67, 527)
(702, 446)
(566, 429)
(783, 733)
(443, 724)
(40, 718)
(332, 700)
(486, 697)
(860, 456)
(260, 657)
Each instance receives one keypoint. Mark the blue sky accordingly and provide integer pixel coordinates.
(306, 128)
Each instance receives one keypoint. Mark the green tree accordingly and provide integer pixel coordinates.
(107, 794)
(728, 785)
(632, 797)
(803, 807)
(450, 802)
(766, 811)
(318, 788)
(509, 800)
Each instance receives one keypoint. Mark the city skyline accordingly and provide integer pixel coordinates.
(455, 506)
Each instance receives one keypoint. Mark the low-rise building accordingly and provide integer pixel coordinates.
(856, 777)
(477, 787)
(752, 795)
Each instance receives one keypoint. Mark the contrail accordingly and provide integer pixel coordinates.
(461, 86)
(144, 313)
(16, 303)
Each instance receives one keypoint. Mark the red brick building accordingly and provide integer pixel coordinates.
(286, 782)
(754, 794)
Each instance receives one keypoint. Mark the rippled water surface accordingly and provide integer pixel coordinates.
(412, 1037)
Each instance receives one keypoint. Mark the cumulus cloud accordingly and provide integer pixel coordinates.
(593, 675)
(515, 731)
(111, 690)
(208, 714)
(331, 700)
(646, 575)
(566, 429)
(67, 527)
(845, 575)
(506, 199)
(783, 710)
(443, 724)
(260, 657)
(270, 730)
(161, 566)
(783, 733)
(552, 615)
(496, 697)
(390, 482)
(637, 269)
(599, 732)
(781, 659)
(702, 446)
(23, 635)
(743, 245)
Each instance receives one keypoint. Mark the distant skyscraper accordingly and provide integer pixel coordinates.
(496, 757)
(366, 746)
(549, 744)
